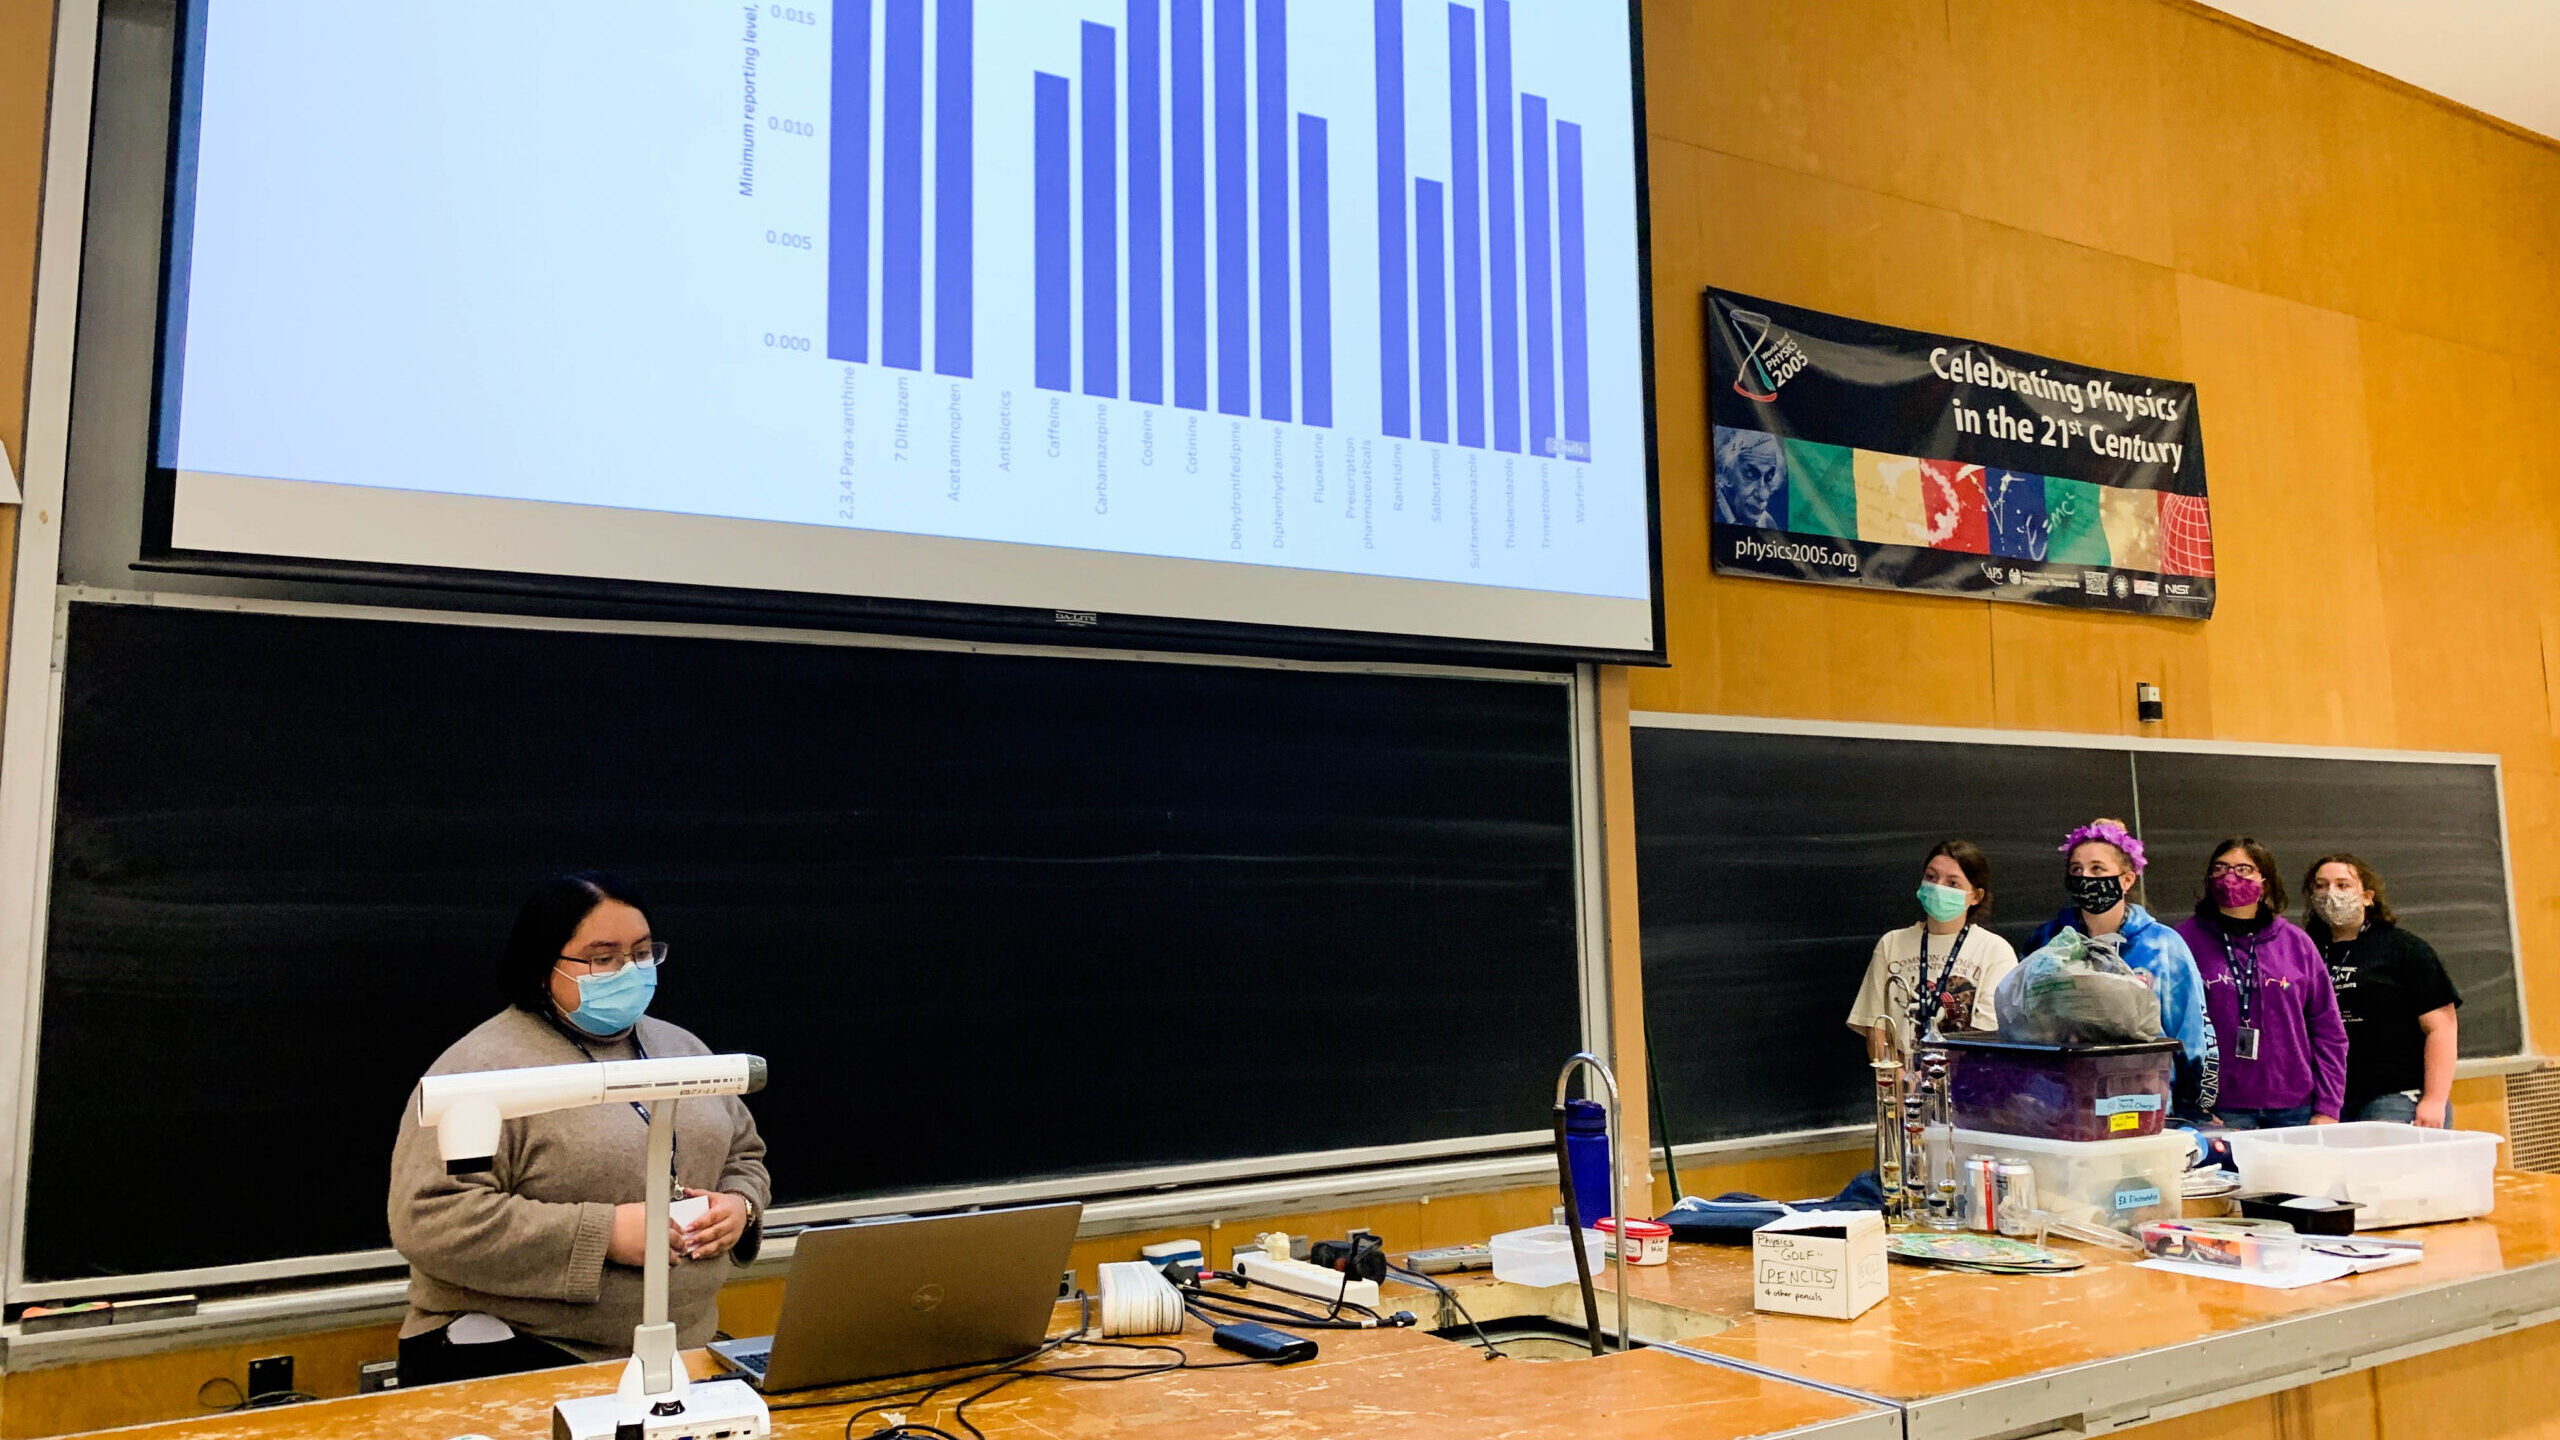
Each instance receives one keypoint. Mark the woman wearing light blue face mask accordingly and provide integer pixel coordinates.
(1939, 974)
(538, 1260)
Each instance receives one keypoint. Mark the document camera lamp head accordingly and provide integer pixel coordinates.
(466, 1110)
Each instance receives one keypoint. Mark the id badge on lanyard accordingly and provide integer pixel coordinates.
(2244, 979)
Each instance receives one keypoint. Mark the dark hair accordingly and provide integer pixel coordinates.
(2273, 902)
(550, 916)
(2379, 908)
(1977, 872)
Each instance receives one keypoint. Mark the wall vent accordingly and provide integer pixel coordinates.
(2533, 1120)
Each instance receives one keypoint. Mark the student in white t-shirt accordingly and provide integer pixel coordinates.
(1945, 967)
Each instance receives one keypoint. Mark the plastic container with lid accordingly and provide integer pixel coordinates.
(1652, 1240)
(2120, 1184)
(2399, 1174)
(1540, 1255)
(2062, 1092)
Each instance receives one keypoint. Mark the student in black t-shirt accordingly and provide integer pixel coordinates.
(2393, 993)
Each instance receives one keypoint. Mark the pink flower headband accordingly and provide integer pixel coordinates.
(2109, 833)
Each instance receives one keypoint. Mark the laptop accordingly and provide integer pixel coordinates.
(897, 1296)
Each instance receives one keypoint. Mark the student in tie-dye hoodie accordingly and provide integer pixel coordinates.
(2102, 864)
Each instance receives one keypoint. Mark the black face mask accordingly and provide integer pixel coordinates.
(2094, 894)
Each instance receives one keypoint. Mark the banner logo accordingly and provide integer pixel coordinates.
(1770, 358)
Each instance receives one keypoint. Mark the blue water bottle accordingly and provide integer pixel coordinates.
(1586, 1148)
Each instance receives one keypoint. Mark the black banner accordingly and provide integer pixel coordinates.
(1856, 454)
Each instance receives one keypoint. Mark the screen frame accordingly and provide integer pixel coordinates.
(879, 614)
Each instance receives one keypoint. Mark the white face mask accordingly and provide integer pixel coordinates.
(2339, 907)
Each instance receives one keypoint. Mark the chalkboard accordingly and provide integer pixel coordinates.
(1766, 867)
(1768, 863)
(2431, 830)
(991, 918)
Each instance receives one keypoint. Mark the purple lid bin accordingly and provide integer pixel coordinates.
(2062, 1092)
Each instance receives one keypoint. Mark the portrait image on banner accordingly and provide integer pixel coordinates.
(1848, 453)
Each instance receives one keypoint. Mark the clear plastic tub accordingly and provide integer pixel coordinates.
(2062, 1092)
(1540, 1256)
(2400, 1174)
(2120, 1184)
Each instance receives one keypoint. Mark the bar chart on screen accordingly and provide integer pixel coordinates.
(1306, 282)
(1352, 287)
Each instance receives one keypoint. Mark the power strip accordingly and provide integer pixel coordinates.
(1313, 1281)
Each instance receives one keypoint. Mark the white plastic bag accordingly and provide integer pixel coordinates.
(2076, 990)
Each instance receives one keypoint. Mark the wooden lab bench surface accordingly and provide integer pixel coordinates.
(1948, 1336)
(1388, 1384)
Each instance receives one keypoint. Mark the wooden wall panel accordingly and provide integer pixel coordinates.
(2303, 176)
(1752, 646)
(26, 59)
(107, 1393)
(2301, 637)
(26, 62)
(2055, 118)
(2359, 278)
(1841, 90)
(2487, 1390)
(2339, 1409)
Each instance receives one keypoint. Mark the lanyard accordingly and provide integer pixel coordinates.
(1924, 1004)
(2244, 973)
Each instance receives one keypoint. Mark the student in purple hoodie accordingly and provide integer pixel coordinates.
(2284, 1047)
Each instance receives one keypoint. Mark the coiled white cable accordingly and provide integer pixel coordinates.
(1138, 1300)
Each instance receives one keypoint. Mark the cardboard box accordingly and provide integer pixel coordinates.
(1825, 1263)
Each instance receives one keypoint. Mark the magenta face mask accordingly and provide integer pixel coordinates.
(2235, 892)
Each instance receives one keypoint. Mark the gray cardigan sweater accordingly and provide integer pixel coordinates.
(526, 1242)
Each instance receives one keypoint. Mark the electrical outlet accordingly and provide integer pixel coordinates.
(270, 1375)
(377, 1375)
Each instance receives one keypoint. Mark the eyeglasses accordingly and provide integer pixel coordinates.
(2244, 870)
(648, 957)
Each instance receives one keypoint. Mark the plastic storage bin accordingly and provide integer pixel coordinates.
(2120, 1184)
(1539, 1256)
(2400, 1174)
(2062, 1092)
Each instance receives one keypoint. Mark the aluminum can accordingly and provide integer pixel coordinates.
(1981, 1194)
(2014, 1202)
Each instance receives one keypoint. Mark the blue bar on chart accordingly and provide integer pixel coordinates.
(1315, 264)
(1271, 117)
(1395, 344)
(849, 185)
(1146, 206)
(1536, 221)
(1466, 227)
(1190, 213)
(1051, 309)
(1431, 304)
(1101, 212)
(1235, 276)
(902, 190)
(1577, 329)
(954, 187)
(1501, 217)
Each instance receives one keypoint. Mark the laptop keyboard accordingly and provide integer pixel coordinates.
(753, 1361)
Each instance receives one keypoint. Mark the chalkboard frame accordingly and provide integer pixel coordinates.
(1343, 1171)
(2133, 748)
